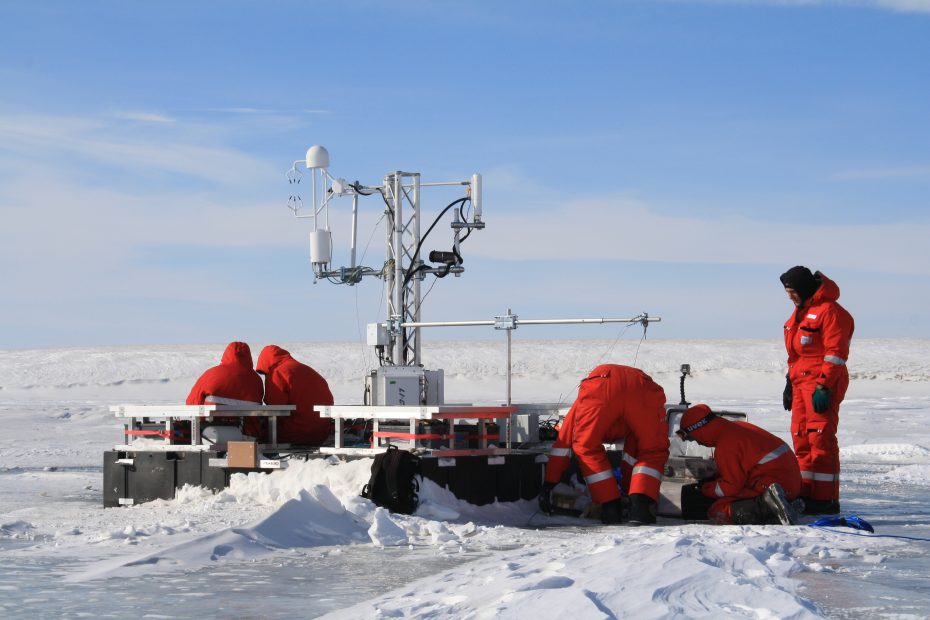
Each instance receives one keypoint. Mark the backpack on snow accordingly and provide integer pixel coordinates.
(393, 484)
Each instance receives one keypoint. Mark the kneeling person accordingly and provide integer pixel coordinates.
(757, 473)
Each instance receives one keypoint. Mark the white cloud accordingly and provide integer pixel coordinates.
(906, 6)
(144, 117)
(187, 150)
(600, 228)
(873, 174)
(264, 111)
(898, 6)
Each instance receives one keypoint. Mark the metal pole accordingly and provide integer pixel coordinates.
(449, 324)
(509, 368)
(315, 211)
(354, 230)
(509, 380)
(389, 276)
(398, 242)
(415, 241)
(652, 319)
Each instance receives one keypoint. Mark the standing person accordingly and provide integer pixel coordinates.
(817, 336)
(288, 382)
(757, 474)
(614, 402)
(232, 380)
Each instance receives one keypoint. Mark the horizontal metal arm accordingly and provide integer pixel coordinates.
(639, 319)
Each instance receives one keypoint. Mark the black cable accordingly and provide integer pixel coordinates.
(358, 189)
(411, 270)
(462, 215)
(389, 205)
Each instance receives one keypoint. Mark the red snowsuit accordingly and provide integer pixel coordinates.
(748, 459)
(817, 338)
(288, 382)
(614, 402)
(233, 378)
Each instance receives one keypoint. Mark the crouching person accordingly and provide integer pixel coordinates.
(231, 382)
(289, 382)
(614, 403)
(757, 473)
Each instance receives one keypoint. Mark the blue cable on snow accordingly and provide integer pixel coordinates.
(856, 523)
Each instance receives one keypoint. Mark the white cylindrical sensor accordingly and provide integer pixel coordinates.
(321, 247)
(476, 194)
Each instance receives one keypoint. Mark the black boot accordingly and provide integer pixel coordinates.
(821, 506)
(778, 504)
(642, 509)
(751, 511)
(612, 512)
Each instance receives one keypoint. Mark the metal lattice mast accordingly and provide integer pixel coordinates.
(403, 292)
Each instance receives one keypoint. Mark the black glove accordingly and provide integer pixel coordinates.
(786, 396)
(612, 512)
(694, 504)
(545, 498)
(821, 399)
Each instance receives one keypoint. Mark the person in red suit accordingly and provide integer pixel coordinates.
(288, 382)
(232, 380)
(817, 337)
(757, 474)
(614, 403)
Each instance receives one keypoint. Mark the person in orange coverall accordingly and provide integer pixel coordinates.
(817, 336)
(757, 474)
(232, 380)
(288, 382)
(614, 403)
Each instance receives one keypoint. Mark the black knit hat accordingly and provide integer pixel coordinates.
(801, 280)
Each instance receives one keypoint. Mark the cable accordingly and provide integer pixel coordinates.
(597, 362)
(423, 297)
(384, 198)
(858, 533)
(641, 340)
(462, 214)
(613, 344)
(358, 189)
(411, 270)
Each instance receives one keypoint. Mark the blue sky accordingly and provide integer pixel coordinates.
(669, 157)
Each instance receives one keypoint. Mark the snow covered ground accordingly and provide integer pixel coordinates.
(301, 543)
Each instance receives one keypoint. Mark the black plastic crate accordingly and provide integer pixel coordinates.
(188, 469)
(114, 478)
(213, 478)
(151, 476)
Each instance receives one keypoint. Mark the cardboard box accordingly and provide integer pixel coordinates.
(242, 454)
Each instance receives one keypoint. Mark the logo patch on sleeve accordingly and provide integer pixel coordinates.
(812, 316)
